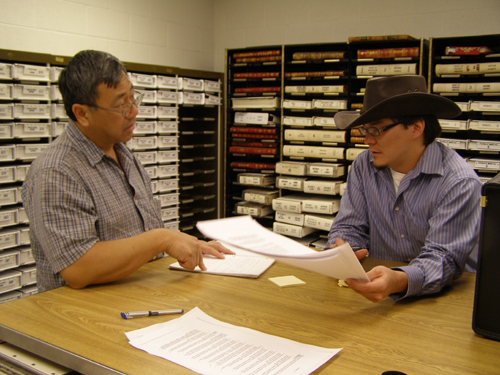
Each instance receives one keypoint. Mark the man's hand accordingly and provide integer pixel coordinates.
(360, 254)
(383, 281)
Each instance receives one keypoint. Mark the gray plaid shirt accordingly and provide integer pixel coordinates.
(76, 195)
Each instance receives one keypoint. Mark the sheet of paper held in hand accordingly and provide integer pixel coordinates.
(211, 347)
(243, 231)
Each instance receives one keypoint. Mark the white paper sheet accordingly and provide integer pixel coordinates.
(211, 347)
(245, 232)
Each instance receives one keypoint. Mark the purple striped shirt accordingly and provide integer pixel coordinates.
(432, 222)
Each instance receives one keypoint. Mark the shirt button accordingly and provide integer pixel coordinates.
(135, 200)
(396, 209)
(402, 236)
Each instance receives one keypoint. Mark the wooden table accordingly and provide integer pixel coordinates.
(83, 330)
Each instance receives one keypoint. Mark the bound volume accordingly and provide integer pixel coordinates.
(387, 53)
(318, 55)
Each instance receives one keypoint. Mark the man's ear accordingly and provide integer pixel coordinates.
(418, 128)
(81, 113)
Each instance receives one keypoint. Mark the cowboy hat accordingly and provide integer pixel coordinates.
(397, 96)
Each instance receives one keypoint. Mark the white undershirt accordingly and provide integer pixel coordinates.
(396, 178)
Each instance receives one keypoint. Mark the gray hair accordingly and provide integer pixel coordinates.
(88, 69)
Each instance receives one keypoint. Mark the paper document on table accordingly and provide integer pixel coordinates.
(242, 264)
(211, 347)
(243, 231)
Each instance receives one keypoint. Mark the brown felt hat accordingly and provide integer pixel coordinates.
(397, 96)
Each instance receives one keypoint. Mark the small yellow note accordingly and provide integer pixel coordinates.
(282, 281)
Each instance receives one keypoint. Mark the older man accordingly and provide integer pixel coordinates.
(89, 201)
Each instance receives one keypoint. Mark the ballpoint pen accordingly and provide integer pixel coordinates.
(141, 314)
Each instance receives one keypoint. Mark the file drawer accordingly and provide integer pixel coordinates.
(9, 259)
(10, 280)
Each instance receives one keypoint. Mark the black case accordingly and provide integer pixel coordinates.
(486, 313)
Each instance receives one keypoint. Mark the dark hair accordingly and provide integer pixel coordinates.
(88, 69)
(432, 126)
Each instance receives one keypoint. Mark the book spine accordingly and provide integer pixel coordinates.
(257, 75)
(457, 69)
(357, 139)
(254, 136)
(386, 53)
(379, 37)
(244, 129)
(257, 89)
(252, 150)
(329, 73)
(385, 70)
(276, 52)
(356, 105)
(464, 51)
(253, 144)
(315, 89)
(258, 59)
(318, 55)
(485, 68)
(236, 164)
(467, 87)
(355, 132)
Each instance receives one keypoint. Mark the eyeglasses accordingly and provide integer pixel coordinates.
(125, 109)
(375, 132)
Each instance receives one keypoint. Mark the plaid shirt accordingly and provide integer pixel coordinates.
(76, 195)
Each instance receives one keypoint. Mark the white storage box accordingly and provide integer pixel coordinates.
(485, 126)
(8, 217)
(212, 86)
(322, 187)
(297, 104)
(30, 73)
(146, 111)
(9, 238)
(192, 84)
(58, 128)
(193, 98)
(173, 225)
(28, 290)
(167, 127)
(169, 97)
(290, 218)
(292, 230)
(351, 153)
(30, 151)
(166, 82)
(290, 183)
(145, 158)
(479, 145)
(152, 171)
(20, 173)
(169, 213)
(143, 143)
(154, 186)
(7, 130)
(9, 259)
(321, 205)
(168, 199)
(324, 121)
(24, 236)
(32, 130)
(325, 169)
(253, 209)
(32, 111)
(5, 71)
(8, 196)
(55, 72)
(7, 174)
(145, 127)
(297, 121)
(5, 92)
(149, 96)
(30, 92)
(28, 275)
(170, 184)
(10, 296)
(212, 100)
(6, 111)
(8, 153)
(22, 217)
(167, 112)
(322, 222)
(25, 256)
(168, 156)
(454, 124)
(168, 141)
(168, 170)
(490, 165)
(143, 80)
(58, 111)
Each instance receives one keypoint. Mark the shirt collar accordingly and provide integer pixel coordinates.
(93, 153)
(429, 163)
